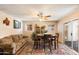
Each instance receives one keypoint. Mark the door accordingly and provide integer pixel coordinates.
(68, 34)
(75, 37)
(71, 35)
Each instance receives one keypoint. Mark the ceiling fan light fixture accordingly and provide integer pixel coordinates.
(40, 19)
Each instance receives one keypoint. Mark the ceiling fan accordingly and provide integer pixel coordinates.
(42, 16)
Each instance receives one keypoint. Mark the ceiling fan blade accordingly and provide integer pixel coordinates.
(48, 16)
(45, 17)
(40, 15)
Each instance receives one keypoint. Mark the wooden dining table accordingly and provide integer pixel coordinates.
(49, 38)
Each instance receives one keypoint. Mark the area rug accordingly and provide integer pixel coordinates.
(62, 50)
(47, 52)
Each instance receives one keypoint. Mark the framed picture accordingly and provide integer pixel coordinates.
(29, 27)
(17, 24)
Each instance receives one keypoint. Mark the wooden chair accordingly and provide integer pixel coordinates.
(34, 38)
(57, 35)
(47, 39)
(36, 44)
(53, 40)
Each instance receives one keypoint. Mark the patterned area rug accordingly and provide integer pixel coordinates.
(62, 50)
(58, 51)
(54, 52)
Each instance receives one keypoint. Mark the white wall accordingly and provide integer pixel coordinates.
(40, 24)
(68, 18)
(7, 30)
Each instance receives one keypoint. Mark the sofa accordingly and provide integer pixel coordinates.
(13, 44)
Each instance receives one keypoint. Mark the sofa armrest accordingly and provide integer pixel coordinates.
(25, 36)
(2, 52)
(14, 48)
(6, 48)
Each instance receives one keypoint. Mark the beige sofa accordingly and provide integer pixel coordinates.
(13, 44)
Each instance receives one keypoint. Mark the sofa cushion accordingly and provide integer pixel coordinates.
(15, 38)
(6, 40)
(20, 36)
(7, 43)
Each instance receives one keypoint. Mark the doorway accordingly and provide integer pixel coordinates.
(71, 34)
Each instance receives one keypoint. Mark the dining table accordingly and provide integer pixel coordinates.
(47, 38)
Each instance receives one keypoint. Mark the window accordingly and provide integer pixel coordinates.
(50, 28)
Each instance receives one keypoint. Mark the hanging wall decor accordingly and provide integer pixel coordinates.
(17, 24)
(29, 27)
(6, 21)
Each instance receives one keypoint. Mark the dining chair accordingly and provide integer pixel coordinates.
(57, 35)
(34, 38)
(47, 39)
(53, 40)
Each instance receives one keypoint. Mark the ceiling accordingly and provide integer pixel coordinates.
(27, 12)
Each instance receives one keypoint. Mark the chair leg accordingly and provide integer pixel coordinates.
(50, 46)
(34, 45)
(55, 44)
(39, 44)
(44, 45)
